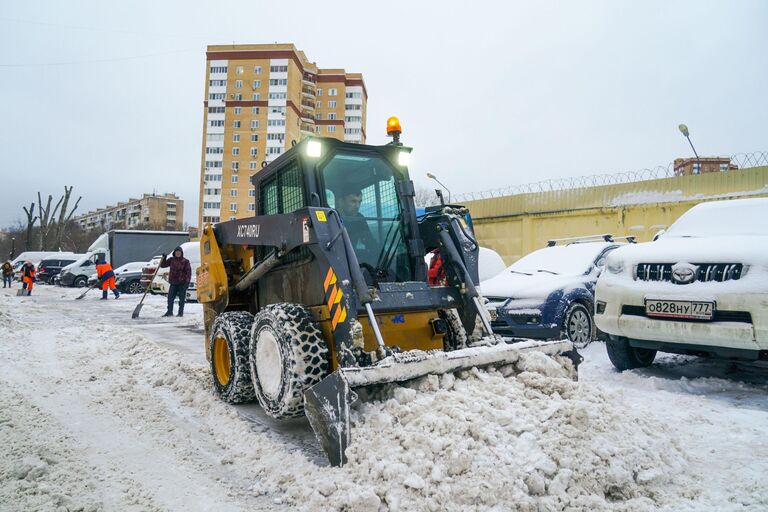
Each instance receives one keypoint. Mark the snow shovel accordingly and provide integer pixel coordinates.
(94, 285)
(138, 307)
(22, 292)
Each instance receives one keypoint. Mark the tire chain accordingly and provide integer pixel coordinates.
(237, 326)
(308, 348)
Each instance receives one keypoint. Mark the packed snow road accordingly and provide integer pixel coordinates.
(102, 412)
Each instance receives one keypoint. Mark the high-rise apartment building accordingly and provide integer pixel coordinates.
(258, 100)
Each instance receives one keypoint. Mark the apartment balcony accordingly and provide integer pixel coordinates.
(310, 105)
(308, 92)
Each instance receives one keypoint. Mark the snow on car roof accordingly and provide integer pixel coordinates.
(722, 218)
(573, 259)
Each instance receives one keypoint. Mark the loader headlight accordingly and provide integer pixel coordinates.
(314, 149)
(614, 266)
(404, 158)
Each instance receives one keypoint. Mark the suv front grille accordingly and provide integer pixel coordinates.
(705, 272)
(719, 316)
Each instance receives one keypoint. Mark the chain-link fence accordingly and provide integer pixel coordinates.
(742, 160)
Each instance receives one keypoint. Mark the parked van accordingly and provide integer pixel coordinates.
(76, 274)
(50, 267)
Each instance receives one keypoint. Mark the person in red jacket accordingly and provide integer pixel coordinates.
(107, 277)
(179, 276)
(28, 276)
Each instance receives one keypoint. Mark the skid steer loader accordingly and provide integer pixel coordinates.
(325, 290)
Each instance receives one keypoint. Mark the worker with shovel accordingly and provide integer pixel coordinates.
(27, 278)
(179, 275)
(106, 276)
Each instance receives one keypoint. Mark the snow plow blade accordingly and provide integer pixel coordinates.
(327, 403)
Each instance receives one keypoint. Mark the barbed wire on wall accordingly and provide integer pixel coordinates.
(742, 160)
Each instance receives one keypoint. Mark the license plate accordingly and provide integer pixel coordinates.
(693, 310)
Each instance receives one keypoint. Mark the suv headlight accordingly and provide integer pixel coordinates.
(614, 266)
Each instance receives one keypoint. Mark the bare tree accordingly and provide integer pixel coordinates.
(425, 197)
(46, 218)
(30, 223)
(64, 217)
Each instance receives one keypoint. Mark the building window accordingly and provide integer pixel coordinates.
(276, 122)
(254, 123)
(215, 136)
(238, 110)
(254, 152)
(331, 129)
(233, 192)
(217, 83)
(353, 95)
(236, 137)
(252, 165)
(255, 111)
(235, 166)
(318, 116)
(238, 84)
(214, 151)
(234, 178)
(252, 207)
(212, 165)
(216, 96)
(353, 107)
(277, 110)
(233, 207)
(331, 116)
(277, 95)
(278, 81)
(319, 92)
(254, 137)
(252, 192)
(239, 70)
(236, 123)
(216, 122)
(215, 110)
(218, 69)
(696, 168)
(235, 151)
(276, 136)
(332, 92)
(278, 69)
(256, 84)
(256, 96)
(257, 70)
(723, 167)
(332, 103)
(237, 97)
(274, 151)
(319, 104)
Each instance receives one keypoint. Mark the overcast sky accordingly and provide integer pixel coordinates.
(108, 96)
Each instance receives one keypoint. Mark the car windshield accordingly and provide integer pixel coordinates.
(574, 259)
(362, 188)
(726, 218)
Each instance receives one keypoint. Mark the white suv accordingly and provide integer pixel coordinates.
(701, 288)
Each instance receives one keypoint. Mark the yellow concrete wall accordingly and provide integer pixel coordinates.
(517, 225)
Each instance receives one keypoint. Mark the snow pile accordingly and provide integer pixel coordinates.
(472, 442)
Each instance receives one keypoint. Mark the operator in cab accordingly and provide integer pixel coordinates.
(348, 206)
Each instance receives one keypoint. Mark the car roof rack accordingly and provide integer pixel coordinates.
(603, 237)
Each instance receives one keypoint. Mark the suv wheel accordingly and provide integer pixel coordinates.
(80, 282)
(578, 325)
(625, 357)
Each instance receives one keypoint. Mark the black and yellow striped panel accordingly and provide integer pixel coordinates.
(333, 297)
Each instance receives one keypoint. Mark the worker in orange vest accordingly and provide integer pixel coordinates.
(107, 277)
(28, 276)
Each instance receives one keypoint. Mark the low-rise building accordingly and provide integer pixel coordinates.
(692, 166)
(150, 211)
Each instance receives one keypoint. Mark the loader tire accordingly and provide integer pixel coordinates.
(625, 357)
(288, 355)
(228, 353)
(456, 337)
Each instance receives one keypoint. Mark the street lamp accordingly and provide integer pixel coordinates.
(433, 177)
(684, 130)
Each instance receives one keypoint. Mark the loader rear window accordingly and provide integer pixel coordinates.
(283, 193)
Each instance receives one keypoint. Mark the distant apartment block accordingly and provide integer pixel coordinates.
(691, 166)
(258, 100)
(151, 211)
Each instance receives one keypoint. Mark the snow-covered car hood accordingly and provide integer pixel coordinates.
(752, 250)
(538, 285)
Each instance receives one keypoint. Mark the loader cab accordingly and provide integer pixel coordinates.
(369, 189)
